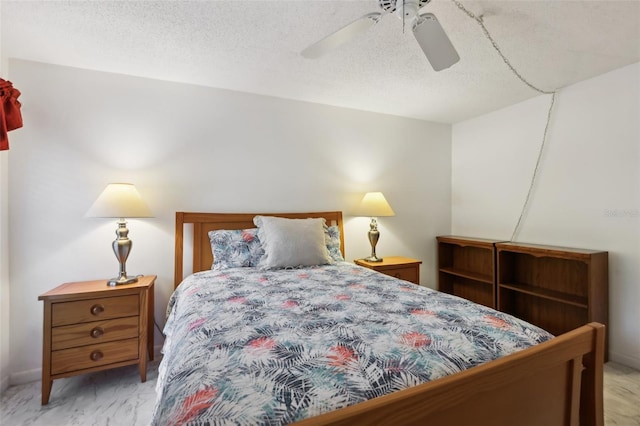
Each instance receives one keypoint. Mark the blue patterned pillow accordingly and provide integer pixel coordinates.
(332, 238)
(235, 248)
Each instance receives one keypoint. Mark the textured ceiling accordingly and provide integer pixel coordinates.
(253, 46)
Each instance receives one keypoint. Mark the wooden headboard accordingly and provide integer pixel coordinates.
(205, 222)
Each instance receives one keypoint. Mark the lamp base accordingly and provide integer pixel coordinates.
(373, 259)
(122, 281)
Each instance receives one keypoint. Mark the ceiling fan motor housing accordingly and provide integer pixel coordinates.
(391, 6)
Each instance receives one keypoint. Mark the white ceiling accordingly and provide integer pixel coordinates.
(253, 46)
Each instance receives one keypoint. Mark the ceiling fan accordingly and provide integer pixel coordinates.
(427, 30)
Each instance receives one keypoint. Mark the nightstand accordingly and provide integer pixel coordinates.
(404, 268)
(90, 326)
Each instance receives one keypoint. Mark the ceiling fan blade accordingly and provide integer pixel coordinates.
(434, 42)
(341, 36)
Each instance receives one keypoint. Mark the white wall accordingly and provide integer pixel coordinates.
(588, 191)
(190, 148)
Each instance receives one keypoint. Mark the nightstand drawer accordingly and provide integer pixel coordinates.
(93, 356)
(91, 333)
(407, 274)
(94, 310)
(400, 267)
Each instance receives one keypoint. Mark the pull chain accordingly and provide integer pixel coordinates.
(525, 81)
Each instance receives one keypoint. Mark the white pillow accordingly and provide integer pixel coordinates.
(291, 242)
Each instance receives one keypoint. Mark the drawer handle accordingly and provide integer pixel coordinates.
(97, 309)
(97, 332)
(96, 355)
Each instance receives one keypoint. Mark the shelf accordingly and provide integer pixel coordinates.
(556, 288)
(540, 250)
(488, 279)
(467, 267)
(556, 296)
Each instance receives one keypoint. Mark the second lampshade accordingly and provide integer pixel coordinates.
(374, 205)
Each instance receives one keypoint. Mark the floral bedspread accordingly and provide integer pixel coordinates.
(252, 347)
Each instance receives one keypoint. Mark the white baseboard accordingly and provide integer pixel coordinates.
(625, 360)
(23, 377)
(157, 352)
(4, 384)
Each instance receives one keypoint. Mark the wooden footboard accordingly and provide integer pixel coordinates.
(558, 382)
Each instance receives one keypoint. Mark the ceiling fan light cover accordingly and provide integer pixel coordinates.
(434, 42)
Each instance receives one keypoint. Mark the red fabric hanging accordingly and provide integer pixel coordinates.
(10, 115)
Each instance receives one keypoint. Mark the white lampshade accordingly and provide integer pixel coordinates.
(119, 200)
(374, 204)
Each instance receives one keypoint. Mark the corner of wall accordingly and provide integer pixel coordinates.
(4, 278)
(4, 275)
(4, 251)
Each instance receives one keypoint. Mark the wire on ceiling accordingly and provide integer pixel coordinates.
(480, 22)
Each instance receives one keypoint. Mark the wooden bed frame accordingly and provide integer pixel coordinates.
(558, 382)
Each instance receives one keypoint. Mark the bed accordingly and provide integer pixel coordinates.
(341, 344)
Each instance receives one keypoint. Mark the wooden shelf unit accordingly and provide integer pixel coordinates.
(555, 288)
(466, 268)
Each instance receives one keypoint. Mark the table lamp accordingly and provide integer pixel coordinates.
(120, 200)
(374, 205)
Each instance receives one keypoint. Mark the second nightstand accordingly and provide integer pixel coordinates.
(90, 326)
(404, 268)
